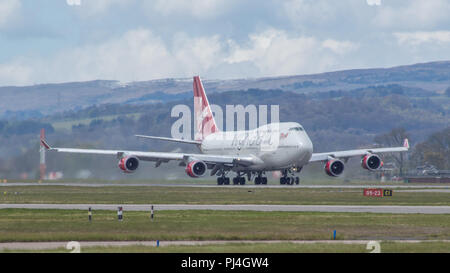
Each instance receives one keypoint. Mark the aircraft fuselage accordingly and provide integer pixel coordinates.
(277, 145)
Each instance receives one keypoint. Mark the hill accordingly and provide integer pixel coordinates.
(45, 99)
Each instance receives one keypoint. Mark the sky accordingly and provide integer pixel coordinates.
(53, 41)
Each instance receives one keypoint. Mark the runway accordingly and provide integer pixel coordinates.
(193, 185)
(56, 245)
(291, 208)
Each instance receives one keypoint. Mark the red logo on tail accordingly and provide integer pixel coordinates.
(204, 120)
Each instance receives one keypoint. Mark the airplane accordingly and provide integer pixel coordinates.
(283, 146)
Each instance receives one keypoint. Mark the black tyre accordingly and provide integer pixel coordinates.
(282, 180)
(297, 180)
(290, 180)
(257, 180)
(235, 181)
(264, 181)
(242, 180)
(219, 181)
(226, 181)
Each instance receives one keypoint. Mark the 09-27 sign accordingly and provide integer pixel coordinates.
(377, 192)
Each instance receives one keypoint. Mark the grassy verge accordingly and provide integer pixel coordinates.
(212, 195)
(386, 247)
(21, 225)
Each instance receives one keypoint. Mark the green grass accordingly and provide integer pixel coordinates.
(22, 225)
(386, 247)
(212, 195)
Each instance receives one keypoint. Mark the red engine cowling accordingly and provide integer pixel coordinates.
(334, 167)
(129, 164)
(196, 169)
(371, 162)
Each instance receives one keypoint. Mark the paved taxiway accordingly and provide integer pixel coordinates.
(55, 245)
(297, 208)
(99, 185)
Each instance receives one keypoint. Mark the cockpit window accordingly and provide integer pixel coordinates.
(296, 129)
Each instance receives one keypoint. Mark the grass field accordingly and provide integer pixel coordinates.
(212, 195)
(385, 247)
(22, 225)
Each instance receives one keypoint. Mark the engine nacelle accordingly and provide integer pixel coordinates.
(334, 167)
(371, 162)
(129, 164)
(196, 169)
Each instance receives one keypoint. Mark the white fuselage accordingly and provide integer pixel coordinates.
(277, 145)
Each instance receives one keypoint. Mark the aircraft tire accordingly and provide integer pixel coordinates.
(242, 180)
(290, 181)
(257, 180)
(235, 181)
(220, 181)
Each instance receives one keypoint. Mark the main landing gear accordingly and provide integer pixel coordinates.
(239, 180)
(260, 180)
(289, 178)
(223, 180)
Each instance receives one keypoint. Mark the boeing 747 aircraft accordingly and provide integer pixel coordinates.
(283, 146)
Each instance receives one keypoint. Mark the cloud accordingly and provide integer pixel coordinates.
(141, 55)
(8, 9)
(274, 52)
(351, 15)
(197, 8)
(73, 2)
(137, 55)
(339, 47)
(416, 14)
(421, 37)
(373, 2)
(16, 72)
(96, 7)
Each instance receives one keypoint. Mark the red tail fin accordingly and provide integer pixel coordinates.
(203, 118)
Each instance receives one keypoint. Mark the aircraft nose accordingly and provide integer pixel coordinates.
(305, 145)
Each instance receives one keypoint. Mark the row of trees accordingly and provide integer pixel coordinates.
(435, 150)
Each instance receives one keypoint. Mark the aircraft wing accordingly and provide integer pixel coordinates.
(163, 156)
(360, 152)
(171, 139)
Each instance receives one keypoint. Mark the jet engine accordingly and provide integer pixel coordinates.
(371, 162)
(129, 164)
(196, 169)
(334, 167)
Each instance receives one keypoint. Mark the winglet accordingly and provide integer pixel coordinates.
(406, 143)
(45, 144)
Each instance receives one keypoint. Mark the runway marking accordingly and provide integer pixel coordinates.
(291, 208)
